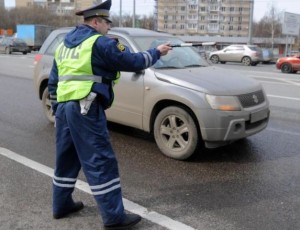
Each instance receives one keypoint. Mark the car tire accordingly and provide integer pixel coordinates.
(286, 68)
(223, 62)
(24, 53)
(176, 133)
(254, 63)
(47, 106)
(246, 61)
(214, 59)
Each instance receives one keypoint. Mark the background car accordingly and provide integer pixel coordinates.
(267, 56)
(182, 100)
(10, 44)
(246, 54)
(289, 64)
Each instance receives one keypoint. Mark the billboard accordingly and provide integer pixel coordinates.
(291, 24)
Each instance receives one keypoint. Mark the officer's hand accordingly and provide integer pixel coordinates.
(164, 48)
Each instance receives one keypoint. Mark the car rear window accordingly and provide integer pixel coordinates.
(54, 44)
(254, 48)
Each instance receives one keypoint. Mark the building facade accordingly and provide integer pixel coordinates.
(2, 5)
(60, 7)
(229, 18)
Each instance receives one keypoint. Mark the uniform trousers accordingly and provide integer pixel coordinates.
(82, 141)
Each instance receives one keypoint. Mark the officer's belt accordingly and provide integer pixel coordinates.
(93, 78)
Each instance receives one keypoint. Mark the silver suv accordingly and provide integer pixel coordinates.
(182, 100)
(246, 54)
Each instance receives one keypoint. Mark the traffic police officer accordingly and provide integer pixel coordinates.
(85, 67)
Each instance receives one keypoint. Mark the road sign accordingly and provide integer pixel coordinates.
(291, 24)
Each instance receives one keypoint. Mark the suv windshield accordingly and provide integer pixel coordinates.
(179, 57)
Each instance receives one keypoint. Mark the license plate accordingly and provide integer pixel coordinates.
(260, 115)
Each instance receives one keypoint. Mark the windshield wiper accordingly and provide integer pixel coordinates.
(194, 65)
(168, 67)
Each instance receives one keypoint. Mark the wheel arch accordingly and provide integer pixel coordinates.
(215, 55)
(246, 56)
(43, 86)
(289, 64)
(167, 103)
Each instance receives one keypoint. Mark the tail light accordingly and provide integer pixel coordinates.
(37, 58)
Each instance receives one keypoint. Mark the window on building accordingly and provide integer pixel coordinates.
(230, 27)
(192, 17)
(213, 26)
(231, 9)
(192, 25)
(202, 27)
(214, 7)
(193, 7)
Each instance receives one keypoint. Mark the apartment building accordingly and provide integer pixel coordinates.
(60, 7)
(228, 18)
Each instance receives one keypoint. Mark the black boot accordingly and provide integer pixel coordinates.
(75, 208)
(130, 220)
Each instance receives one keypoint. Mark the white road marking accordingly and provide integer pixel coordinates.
(282, 97)
(152, 216)
(283, 80)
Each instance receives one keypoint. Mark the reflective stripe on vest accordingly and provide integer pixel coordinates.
(93, 78)
(75, 63)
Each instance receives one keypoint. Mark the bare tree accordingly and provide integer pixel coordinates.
(270, 25)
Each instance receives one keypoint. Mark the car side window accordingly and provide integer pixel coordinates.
(231, 48)
(239, 48)
(54, 44)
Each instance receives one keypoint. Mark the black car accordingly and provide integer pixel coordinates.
(9, 45)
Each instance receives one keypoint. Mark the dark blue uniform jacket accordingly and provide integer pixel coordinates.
(107, 60)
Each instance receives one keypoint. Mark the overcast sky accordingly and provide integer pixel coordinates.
(145, 7)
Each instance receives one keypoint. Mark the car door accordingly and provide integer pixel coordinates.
(127, 107)
(238, 53)
(227, 54)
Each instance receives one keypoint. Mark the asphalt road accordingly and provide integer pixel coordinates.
(250, 184)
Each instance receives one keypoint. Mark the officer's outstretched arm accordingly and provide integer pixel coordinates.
(120, 58)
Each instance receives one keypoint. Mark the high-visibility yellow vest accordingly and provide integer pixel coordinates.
(75, 74)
